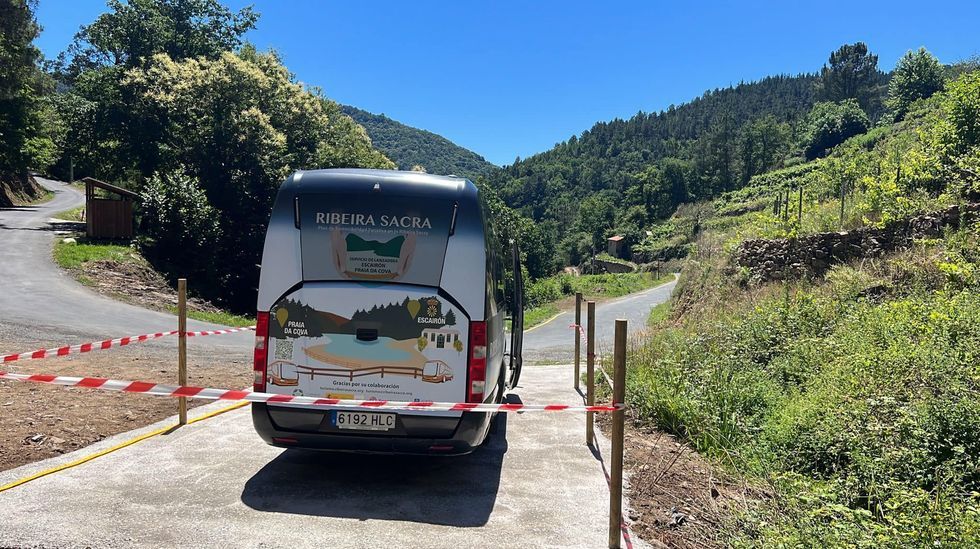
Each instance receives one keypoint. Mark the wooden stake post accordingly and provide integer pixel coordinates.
(578, 336)
(800, 217)
(182, 347)
(618, 429)
(590, 374)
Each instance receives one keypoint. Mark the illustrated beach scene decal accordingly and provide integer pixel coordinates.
(379, 343)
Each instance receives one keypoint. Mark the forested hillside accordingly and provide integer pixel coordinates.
(836, 371)
(411, 147)
(621, 176)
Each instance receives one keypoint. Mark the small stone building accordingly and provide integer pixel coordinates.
(615, 245)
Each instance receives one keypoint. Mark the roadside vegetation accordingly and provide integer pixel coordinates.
(120, 271)
(45, 197)
(658, 314)
(74, 214)
(223, 318)
(75, 252)
(849, 398)
(537, 315)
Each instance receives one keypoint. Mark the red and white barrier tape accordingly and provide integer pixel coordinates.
(108, 344)
(85, 347)
(581, 330)
(330, 403)
(220, 332)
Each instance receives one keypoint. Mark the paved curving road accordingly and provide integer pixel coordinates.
(550, 343)
(41, 304)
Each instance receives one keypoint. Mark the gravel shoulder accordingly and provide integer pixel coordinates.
(43, 421)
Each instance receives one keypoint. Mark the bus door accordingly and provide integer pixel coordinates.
(517, 318)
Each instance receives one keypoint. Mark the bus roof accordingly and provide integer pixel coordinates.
(357, 180)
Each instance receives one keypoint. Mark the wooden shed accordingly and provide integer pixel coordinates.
(108, 214)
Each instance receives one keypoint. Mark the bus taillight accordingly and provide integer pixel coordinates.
(261, 354)
(477, 378)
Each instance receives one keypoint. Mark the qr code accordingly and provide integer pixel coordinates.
(284, 349)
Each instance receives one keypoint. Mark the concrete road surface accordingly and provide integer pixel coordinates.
(552, 342)
(43, 304)
(215, 484)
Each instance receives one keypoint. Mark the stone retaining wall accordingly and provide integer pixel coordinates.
(812, 255)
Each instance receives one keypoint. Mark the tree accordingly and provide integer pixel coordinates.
(852, 73)
(178, 225)
(762, 144)
(238, 124)
(125, 37)
(27, 124)
(830, 124)
(918, 75)
(135, 30)
(597, 217)
(961, 115)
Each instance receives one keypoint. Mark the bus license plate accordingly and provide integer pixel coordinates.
(362, 421)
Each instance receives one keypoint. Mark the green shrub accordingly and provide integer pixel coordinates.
(178, 226)
(830, 124)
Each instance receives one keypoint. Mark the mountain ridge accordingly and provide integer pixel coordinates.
(409, 147)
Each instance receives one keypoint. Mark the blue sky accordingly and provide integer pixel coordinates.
(509, 79)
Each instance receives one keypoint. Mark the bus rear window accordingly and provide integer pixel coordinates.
(374, 237)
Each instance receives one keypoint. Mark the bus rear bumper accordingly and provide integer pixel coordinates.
(312, 429)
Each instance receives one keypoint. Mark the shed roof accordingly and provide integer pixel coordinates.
(616, 238)
(109, 187)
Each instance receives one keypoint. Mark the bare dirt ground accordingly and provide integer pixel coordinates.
(42, 421)
(135, 282)
(677, 498)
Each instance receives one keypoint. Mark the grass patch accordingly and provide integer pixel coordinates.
(74, 255)
(48, 195)
(555, 288)
(223, 318)
(74, 214)
(537, 315)
(658, 313)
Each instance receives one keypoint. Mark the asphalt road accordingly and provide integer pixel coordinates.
(43, 305)
(552, 342)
